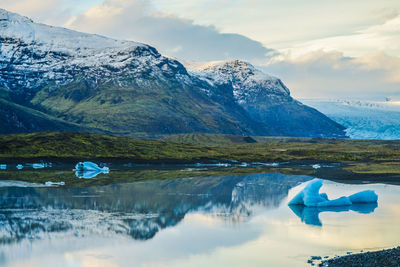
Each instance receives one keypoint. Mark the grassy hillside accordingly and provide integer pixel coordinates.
(153, 107)
(19, 119)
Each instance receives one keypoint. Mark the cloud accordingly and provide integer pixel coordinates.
(45, 11)
(367, 66)
(322, 74)
(285, 23)
(138, 21)
(383, 37)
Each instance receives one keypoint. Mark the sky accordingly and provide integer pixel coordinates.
(320, 49)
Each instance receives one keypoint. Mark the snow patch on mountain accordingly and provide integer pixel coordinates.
(363, 119)
(248, 82)
(33, 53)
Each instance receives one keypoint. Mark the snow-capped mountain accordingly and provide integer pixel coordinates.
(53, 78)
(363, 119)
(248, 83)
(32, 54)
(266, 99)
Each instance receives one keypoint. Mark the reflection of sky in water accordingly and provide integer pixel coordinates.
(250, 227)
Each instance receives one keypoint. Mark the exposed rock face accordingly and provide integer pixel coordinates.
(128, 88)
(267, 100)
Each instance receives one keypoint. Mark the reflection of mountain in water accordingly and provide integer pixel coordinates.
(138, 209)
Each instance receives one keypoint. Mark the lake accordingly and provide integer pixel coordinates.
(205, 221)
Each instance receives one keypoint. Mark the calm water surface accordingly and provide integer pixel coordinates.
(211, 221)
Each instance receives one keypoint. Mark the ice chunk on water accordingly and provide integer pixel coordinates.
(90, 166)
(89, 170)
(310, 197)
(316, 166)
(54, 183)
(342, 201)
(20, 166)
(38, 165)
(3, 166)
(367, 196)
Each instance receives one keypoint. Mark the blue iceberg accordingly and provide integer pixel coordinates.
(88, 170)
(20, 166)
(367, 196)
(3, 166)
(342, 201)
(310, 197)
(309, 203)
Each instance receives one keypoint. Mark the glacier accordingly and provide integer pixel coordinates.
(363, 119)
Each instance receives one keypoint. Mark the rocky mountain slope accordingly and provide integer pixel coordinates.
(87, 82)
(267, 100)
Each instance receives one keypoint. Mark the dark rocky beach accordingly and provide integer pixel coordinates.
(387, 257)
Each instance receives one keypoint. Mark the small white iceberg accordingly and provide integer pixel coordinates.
(89, 170)
(316, 166)
(54, 183)
(310, 197)
(90, 166)
(38, 165)
(20, 166)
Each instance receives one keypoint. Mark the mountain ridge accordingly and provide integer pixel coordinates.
(129, 88)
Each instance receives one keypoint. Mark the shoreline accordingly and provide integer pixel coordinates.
(386, 257)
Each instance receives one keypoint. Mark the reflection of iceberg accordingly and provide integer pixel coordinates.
(310, 197)
(88, 170)
(309, 203)
(310, 215)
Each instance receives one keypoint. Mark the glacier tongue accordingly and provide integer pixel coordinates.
(363, 119)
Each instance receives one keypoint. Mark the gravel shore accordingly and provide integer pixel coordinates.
(387, 257)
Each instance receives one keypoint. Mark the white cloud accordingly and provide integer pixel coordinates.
(45, 11)
(286, 23)
(383, 38)
(137, 20)
(322, 74)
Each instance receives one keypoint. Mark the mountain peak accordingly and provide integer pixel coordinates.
(10, 17)
(249, 83)
(15, 26)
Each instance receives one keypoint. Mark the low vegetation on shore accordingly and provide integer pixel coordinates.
(58, 145)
